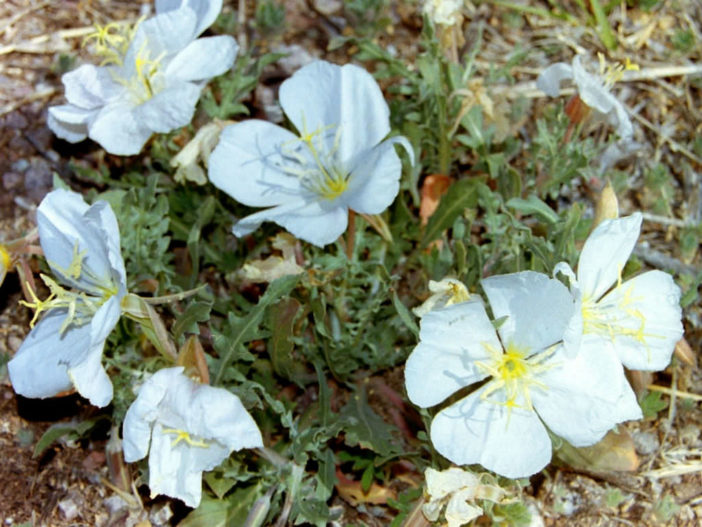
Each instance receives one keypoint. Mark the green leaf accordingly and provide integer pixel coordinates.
(280, 346)
(404, 313)
(232, 512)
(460, 196)
(604, 30)
(366, 429)
(58, 430)
(242, 332)
(534, 206)
(187, 322)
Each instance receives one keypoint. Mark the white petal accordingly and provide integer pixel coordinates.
(62, 223)
(512, 443)
(90, 87)
(203, 59)
(164, 34)
(647, 322)
(206, 11)
(538, 308)
(245, 164)
(90, 378)
(118, 131)
(309, 221)
(138, 421)
(375, 180)
(176, 469)
(605, 253)
(451, 340)
(103, 217)
(619, 117)
(38, 369)
(585, 396)
(69, 123)
(549, 81)
(322, 94)
(104, 321)
(591, 88)
(218, 414)
(169, 109)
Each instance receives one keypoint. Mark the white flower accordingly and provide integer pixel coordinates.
(638, 320)
(444, 12)
(594, 91)
(531, 383)
(338, 162)
(64, 350)
(186, 428)
(151, 84)
(456, 487)
(446, 292)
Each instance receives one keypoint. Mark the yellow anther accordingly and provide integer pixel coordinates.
(630, 66)
(75, 268)
(4, 257)
(37, 305)
(182, 435)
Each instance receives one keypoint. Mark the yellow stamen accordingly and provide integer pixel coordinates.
(4, 257)
(182, 435)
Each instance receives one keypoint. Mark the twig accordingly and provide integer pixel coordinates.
(17, 16)
(665, 220)
(674, 145)
(675, 393)
(662, 261)
(31, 45)
(29, 98)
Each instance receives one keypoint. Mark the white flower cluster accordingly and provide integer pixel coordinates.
(554, 363)
(186, 427)
(150, 81)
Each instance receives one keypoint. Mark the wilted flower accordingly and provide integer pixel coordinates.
(273, 267)
(639, 319)
(151, 80)
(455, 488)
(593, 90)
(196, 153)
(185, 427)
(64, 349)
(531, 384)
(446, 292)
(339, 160)
(444, 12)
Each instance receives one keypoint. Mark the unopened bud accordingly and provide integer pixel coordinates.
(607, 206)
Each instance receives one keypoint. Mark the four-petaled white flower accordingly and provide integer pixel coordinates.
(82, 247)
(186, 428)
(531, 383)
(339, 160)
(640, 319)
(594, 91)
(151, 83)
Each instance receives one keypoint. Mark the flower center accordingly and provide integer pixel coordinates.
(80, 306)
(316, 166)
(514, 372)
(182, 435)
(617, 317)
(612, 74)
